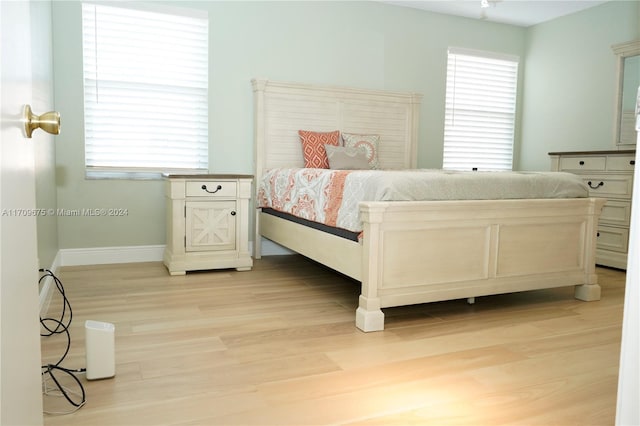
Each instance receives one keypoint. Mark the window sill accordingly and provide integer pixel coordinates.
(102, 174)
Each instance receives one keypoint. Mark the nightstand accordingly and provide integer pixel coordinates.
(207, 222)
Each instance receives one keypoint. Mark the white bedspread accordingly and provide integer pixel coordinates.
(332, 196)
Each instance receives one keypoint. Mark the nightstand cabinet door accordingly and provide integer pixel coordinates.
(210, 225)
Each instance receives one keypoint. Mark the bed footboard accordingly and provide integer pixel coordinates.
(418, 252)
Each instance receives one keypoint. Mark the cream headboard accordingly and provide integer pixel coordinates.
(281, 109)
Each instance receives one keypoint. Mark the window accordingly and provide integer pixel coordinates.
(145, 91)
(480, 110)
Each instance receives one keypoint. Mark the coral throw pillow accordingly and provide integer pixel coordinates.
(367, 142)
(315, 156)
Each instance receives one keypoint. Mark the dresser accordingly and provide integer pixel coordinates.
(609, 174)
(207, 222)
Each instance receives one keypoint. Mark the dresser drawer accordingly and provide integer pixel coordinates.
(211, 189)
(613, 239)
(616, 213)
(621, 163)
(609, 186)
(583, 163)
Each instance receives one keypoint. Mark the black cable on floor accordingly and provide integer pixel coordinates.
(55, 326)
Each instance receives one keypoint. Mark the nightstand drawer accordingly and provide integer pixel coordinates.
(583, 163)
(211, 189)
(609, 186)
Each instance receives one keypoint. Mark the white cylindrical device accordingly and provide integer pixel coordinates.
(100, 349)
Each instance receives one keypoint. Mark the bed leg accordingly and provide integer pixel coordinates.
(471, 300)
(587, 292)
(369, 316)
(590, 290)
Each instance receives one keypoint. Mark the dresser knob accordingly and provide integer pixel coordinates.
(581, 163)
(632, 162)
(233, 213)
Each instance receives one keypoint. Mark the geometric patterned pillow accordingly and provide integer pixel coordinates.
(315, 156)
(368, 142)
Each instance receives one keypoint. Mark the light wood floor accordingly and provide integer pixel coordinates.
(278, 346)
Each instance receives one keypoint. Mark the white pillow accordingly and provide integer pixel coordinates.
(347, 158)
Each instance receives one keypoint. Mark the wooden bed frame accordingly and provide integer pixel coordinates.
(422, 251)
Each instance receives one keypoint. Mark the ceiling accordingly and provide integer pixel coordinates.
(522, 13)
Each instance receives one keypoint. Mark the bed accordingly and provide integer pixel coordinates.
(412, 252)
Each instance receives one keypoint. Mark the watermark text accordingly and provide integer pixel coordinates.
(84, 212)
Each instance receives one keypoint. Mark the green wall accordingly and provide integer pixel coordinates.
(566, 90)
(570, 82)
(361, 44)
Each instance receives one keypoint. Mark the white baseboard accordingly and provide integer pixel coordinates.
(106, 255)
(48, 286)
(132, 254)
(123, 254)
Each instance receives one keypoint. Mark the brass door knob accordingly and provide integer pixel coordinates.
(49, 121)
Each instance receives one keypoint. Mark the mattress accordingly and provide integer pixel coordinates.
(331, 197)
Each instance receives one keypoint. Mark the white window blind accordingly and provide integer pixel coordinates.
(480, 110)
(145, 91)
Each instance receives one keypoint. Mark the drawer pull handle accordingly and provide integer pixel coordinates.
(597, 234)
(595, 187)
(212, 192)
(581, 163)
(233, 213)
(632, 162)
